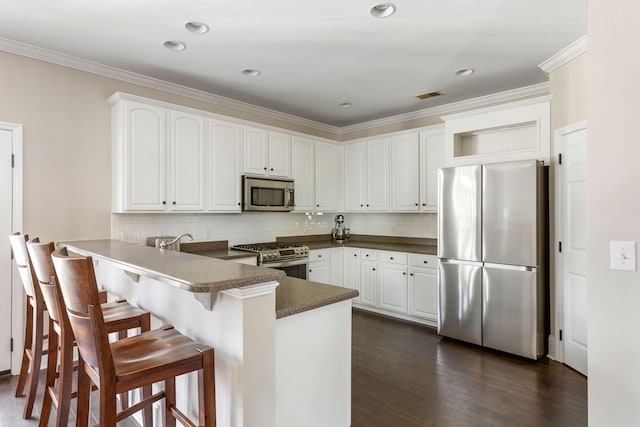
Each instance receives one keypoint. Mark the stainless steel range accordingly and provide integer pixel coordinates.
(292, 258)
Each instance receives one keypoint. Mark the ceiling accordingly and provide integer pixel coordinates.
(312, 56)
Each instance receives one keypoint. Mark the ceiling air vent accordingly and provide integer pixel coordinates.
(429, 95)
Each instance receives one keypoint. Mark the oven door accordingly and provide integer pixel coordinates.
(294, 268)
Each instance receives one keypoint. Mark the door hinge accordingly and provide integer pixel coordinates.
(11, 344)
(13, 161)
(559, 246)
(560, 334)
(560, 158)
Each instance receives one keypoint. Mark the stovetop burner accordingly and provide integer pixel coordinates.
(267, 245)
(275, 252)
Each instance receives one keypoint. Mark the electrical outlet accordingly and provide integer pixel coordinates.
(623, 256)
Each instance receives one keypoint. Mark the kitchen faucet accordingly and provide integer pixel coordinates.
(164, 244)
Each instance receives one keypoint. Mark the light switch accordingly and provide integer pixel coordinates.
(623, 256)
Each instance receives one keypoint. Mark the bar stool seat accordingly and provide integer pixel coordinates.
(134, 362)
(120, 316)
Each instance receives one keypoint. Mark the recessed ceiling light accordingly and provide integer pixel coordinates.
(464, 71)
(175, 45)
(197, 27)
(383, 10)
(251, 72)
(345, 105)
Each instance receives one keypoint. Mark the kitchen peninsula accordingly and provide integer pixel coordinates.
(281, 360)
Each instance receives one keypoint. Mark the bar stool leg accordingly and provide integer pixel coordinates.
(28, 343)
(84, 394)
(50, 379)
(169, 402)
(36, 359)
(65, 381)
(207, 390)
(124, 397)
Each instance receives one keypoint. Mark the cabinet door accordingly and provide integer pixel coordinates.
(351, 278)
(303, 173)
(279, 155)
(355, 177)
(224, 148)
(145, 158)
(405, 172)
(431, 158)
(337, 266)
(393, 287)
(255, 151)
(369, 283)
(378, 175)
(319, 271)
(327, 176)
(423, 293)
(187, 160)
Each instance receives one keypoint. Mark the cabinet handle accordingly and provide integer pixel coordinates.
(319, 255)
(426, 262)
(391, 258)
(424, 204)
(367, 255)
(410, 274)
(317, 206)
(362, 206)
(404, 274)
(374, 269)
(164, 202)
(173, 203)
(238, 204)
(416, 204)
(271, 169)
(265, 168)
(355, 254)
(310, 270)
(367, 205)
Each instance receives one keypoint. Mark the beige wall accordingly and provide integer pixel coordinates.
(613, 212)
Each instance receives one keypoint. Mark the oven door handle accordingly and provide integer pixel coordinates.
(289, 263)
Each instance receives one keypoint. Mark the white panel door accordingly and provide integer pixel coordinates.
(378, 175)
(279, 155)
(303, 173)
(369, 283)
(224, 166)
(432, 159)
(327, 177)
(337, 267)
(187, 160)
(351, 278)
(320, 272)
(355, 177)
(6, 208)
(423, 293)
(393, 287)
(572, 267)
(405, 172)
(256, 151)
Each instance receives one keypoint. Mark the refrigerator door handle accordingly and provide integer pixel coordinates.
(457, 261)
(511, 267)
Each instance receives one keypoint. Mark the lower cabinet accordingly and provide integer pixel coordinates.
(369, 283)
(319, 271)
(423, 293)
(351, 276)
(393, 287)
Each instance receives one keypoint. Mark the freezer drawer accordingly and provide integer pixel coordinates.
(510, 222)
(511, 314)
(460, 300)
(459, 213)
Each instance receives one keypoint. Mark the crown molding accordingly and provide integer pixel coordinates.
(565, 55)
(500, 97)
(63, 59)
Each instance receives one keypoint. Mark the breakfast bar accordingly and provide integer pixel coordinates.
(282, 345)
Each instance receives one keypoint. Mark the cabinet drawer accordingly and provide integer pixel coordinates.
(319, 255)
(368, 255)
(422, 260)
(393, 257)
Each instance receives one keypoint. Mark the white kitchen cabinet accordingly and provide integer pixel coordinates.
(432, 148)
(266, 153)
(303, 173)
(393, 281)
(351, 278)
(423, 287)
(225, 166)
(337, 266)
(405, 172)
(369, 283)
(320, 271)
(187, 161)
(328, 173)
(367, 176)
(158, 159)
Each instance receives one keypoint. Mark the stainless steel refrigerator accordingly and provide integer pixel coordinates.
(492, 250)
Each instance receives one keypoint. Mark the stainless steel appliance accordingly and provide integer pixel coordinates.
(492, 254)
(339, 232)
(292, 258)
(267, 195)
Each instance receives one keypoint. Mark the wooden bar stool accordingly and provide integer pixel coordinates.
(34, 325)
(158, 355)
(119, 317)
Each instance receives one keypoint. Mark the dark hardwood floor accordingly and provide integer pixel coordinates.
(406, 375)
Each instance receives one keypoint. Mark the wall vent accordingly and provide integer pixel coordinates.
(429, 95)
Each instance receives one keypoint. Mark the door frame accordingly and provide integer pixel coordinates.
(556, 347)
(17, 294)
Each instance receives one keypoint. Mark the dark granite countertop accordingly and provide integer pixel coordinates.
(190, 272)
(214, 249)
(384, 243)
(295, 296)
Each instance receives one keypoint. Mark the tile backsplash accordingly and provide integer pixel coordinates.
(263, 227)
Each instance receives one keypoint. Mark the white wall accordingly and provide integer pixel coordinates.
(263, 227)
(613, 212)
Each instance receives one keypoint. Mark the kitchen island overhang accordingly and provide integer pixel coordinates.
(232, 307)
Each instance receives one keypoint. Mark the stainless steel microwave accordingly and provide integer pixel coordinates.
(267, 195)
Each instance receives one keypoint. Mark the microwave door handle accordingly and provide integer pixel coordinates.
(292, 201)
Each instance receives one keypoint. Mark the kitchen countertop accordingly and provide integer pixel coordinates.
(384, 243)
(190, 272)
(215, 249)
(295, 296)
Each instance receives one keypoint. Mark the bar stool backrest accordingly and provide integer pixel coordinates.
(44, 270)
(19, 247)
(79, 289)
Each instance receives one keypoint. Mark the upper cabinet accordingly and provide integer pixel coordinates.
(158, 159)
(508, 132)
(267, 153)
(367, 176)
(224, 147)
(432, 145)
(328, 169)
(303, 173)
